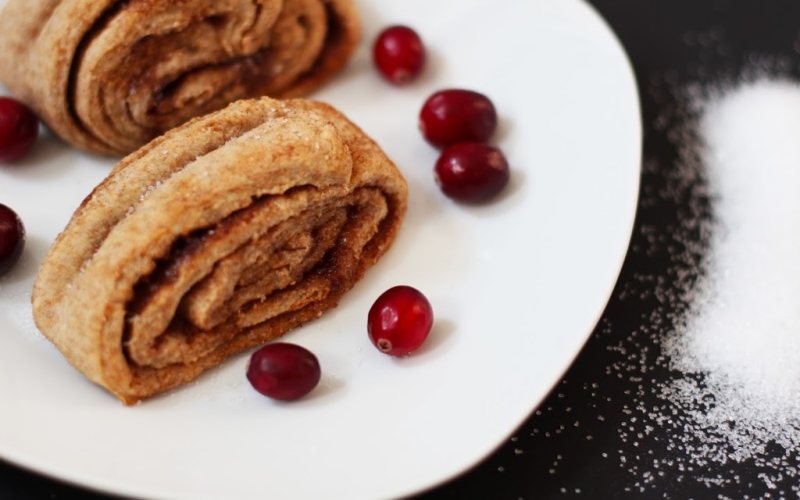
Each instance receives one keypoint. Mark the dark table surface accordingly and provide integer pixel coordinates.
(585, 439)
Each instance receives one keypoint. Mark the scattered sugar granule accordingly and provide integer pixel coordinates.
(742, 331)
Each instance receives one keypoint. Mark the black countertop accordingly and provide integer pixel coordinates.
(596, 435)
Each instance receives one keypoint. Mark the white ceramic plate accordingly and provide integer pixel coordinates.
(517, 286)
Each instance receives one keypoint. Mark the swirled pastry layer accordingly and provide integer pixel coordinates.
(110, 75)
(220, 235)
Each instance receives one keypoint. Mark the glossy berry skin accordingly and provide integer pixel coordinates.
(283, 371)
(471, 171)
(19, 128)
(400, 320)
(12, 238)
(457, 115)
(399, 54)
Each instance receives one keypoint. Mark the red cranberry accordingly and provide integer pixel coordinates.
(471, 171)
(457, 115)
(12, 238)
(400, 320)
(19, 128)
(399, 54)
(283, 371)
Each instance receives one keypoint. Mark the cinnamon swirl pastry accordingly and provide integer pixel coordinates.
(110, 75)
(219, 235)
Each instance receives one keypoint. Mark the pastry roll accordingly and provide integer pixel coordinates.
(218, 236)
(110, 75)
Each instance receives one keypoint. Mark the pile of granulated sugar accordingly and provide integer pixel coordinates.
(742, 329)
(710, 376)
(737, 344)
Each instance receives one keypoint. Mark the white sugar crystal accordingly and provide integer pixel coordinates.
(733, 340)
(744, 330)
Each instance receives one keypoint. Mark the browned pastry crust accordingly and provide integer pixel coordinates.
(220, 235)
(110, 75)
